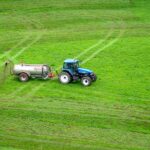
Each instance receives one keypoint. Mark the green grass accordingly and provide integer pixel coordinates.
(113, 113)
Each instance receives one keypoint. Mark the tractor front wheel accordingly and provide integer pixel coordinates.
(86, 81)
(94, 77)
(64, 78)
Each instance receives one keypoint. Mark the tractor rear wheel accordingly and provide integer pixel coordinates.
(86, 81)
(23, 77)
(65, 78)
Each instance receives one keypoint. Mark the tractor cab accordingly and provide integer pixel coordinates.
(71, 71)
(71, 66)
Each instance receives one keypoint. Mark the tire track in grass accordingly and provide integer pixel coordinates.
(18, 90)
(95, 106)
(103, 48)
(6, 54)
(82, 114)
(25, 48)
(13, 58)
(50, 141)
(95, 45)
(75, 140)
(34, 90)
(30, 22)
(84, 137)
(14, 47)
(39, 36)
(68, 141)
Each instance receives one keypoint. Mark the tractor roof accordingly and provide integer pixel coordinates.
(71, 61)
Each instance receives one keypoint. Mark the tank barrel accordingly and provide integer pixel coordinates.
(32, 70)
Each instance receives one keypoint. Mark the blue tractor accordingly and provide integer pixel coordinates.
(71, 71)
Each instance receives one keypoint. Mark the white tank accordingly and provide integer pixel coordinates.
(31, 69)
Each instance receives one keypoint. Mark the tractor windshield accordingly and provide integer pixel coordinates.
(76, 65)
(71, 65)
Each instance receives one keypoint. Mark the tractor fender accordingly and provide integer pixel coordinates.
(68, 72)
(84, 75)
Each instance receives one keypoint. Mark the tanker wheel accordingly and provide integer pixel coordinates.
(65, 78)
(86, 81)
(23, 77)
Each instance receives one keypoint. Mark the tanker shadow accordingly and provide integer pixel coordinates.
(31, 80)
(48, 81)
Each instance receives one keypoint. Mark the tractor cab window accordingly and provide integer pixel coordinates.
(65, 66)
(73, 66)
(76, 65)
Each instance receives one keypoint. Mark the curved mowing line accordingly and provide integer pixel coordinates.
(22, 50)
(34, 90)
(18, 90)
(83, 137)
(66, 141)
(25, 48)
(18, 44)
(106, 46)
(49, 141)
(103, 48)
(95, 107)
(82, 115)
(95, 45)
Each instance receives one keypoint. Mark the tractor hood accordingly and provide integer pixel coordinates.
(84, 71)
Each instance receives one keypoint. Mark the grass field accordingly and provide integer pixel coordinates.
(110, 37)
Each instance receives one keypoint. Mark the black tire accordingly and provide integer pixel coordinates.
(94, 77)
(65, 78)
(86, 81)
(23, 77)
